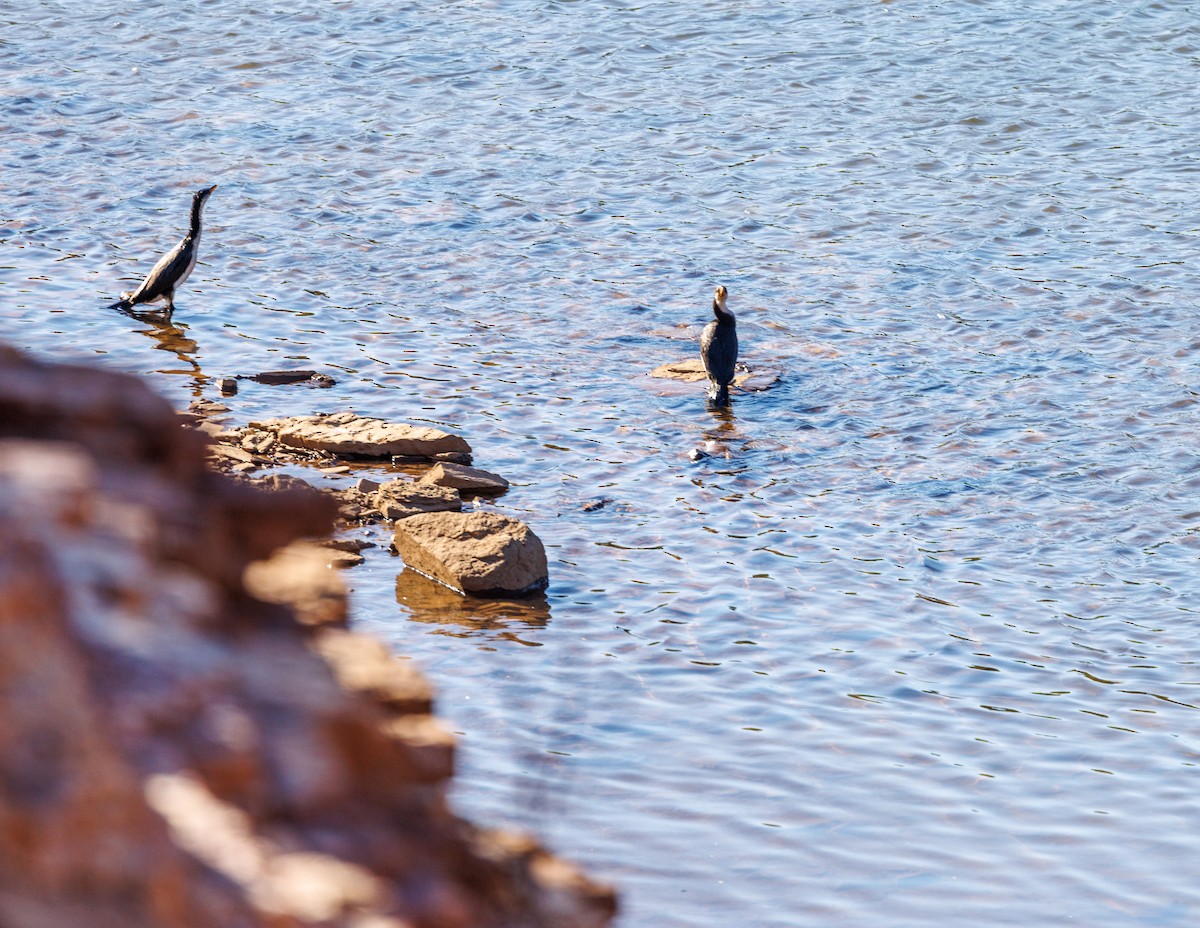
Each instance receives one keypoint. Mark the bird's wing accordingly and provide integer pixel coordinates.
(165, 274)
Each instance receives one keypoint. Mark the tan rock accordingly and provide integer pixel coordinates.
(343, 560)
(233, 453)
(690, 370)
(211, 429)
(483, 553)
(350, 434)
(364, 665)
(306, 887)
(298, 576)
(352, 545)
(258, 442)
(207, 407)
(464, 479)
(399, 499)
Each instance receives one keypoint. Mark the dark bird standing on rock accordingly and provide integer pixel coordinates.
(172, 268)
(719, 349)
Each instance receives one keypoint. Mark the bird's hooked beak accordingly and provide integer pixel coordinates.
(719, 296)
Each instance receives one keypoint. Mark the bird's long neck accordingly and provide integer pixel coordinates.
(724, 316)
(197, 206)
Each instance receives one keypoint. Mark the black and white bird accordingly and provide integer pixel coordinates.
(719, 349)
(172, 268)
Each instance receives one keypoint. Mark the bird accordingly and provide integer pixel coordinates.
(719, 349)
(172, 268)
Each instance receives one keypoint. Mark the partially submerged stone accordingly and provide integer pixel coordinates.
(343, 560)
(757, 380)
(351, 435)
(280, 377)
(204, 407)
(400, 499)
(687, 370)
(275, 378)
(464, 479)
(482, 553)
(690, 370)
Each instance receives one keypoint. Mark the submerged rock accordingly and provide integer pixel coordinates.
(464, 479)
(690, 370)
(348, 434)
(757, 379)
(482, 553)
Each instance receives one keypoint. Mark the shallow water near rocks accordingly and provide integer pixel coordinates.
(916, 642)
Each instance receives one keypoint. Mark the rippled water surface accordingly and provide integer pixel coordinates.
(916, 643)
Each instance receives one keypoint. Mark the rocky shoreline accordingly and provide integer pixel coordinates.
(471, 554)
(189, 732)
(474, 553)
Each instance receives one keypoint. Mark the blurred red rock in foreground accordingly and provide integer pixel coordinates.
(177, 751)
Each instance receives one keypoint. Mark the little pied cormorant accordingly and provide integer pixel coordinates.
(719, 349)
(172, 268)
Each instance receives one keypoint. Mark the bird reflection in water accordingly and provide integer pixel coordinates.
(716, 440)
(471, 616)
(171, 336)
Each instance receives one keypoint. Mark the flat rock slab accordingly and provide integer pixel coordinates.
(481, 553)
(690, 370)
(400, 499)
(464, 479)
(286, 377)
(348, 434)
(687, 370)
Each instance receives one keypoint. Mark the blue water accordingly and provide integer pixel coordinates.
(916, 642)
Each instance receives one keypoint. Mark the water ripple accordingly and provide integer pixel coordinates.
(914, 642)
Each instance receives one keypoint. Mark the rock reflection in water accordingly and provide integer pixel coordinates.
(172, 336)
(430, 602)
